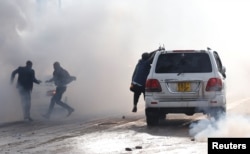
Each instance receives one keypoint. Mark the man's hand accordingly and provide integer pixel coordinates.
(73, 78)
(161, 48)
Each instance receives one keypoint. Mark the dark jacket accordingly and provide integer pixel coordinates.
(141, 72)
(61, 77)
(26, 77)
(142, 69)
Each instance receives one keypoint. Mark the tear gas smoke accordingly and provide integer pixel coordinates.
(83, 40)
(232, 125)
(100, 42)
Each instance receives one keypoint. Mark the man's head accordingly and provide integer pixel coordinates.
(56, 65)
(145, 56)
(29, 64)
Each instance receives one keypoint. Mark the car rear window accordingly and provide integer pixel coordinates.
(196, 62)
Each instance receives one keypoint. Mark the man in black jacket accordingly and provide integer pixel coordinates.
(61, 78)
(26, 77)
(140, 75)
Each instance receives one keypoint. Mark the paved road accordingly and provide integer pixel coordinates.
(122, 134)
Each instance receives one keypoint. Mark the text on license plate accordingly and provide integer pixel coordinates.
(184, 86)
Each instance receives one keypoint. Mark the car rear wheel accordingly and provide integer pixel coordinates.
(152, 117)
(152, 120)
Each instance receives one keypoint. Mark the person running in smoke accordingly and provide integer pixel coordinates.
(26, 77)
(61, 78)
(140, 75)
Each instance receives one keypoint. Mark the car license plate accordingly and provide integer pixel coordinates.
(184, 86)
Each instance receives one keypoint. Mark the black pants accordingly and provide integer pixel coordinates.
(138, 90)
(57, 99)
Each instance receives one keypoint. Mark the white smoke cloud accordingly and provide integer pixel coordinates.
(232, 125)
(100, 42)
(84, 38)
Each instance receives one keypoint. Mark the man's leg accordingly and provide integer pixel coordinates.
(51, 107)
(143, 91)
(26, 103)
(61, 90)
(23, 102)
(66, 106)
(137, 94)
(55, 99)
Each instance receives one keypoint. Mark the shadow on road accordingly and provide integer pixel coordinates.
(175, 126)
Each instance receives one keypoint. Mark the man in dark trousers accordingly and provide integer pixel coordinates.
(140, 75)
(61, 78)
(26, 77)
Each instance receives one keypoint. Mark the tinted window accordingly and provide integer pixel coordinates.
(183, 63)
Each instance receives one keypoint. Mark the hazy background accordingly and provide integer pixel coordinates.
(100, 42)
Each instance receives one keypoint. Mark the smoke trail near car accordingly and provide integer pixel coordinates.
(232, 125)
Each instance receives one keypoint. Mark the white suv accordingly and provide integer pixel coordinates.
(185, 81)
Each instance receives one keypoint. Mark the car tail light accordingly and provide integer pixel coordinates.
(214, 84)
(153, 85)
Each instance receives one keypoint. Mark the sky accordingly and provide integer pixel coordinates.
(100, 42)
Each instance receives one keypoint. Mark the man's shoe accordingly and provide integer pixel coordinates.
(70, 112)
(46, 116)
(134, 109)
(28, 119)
